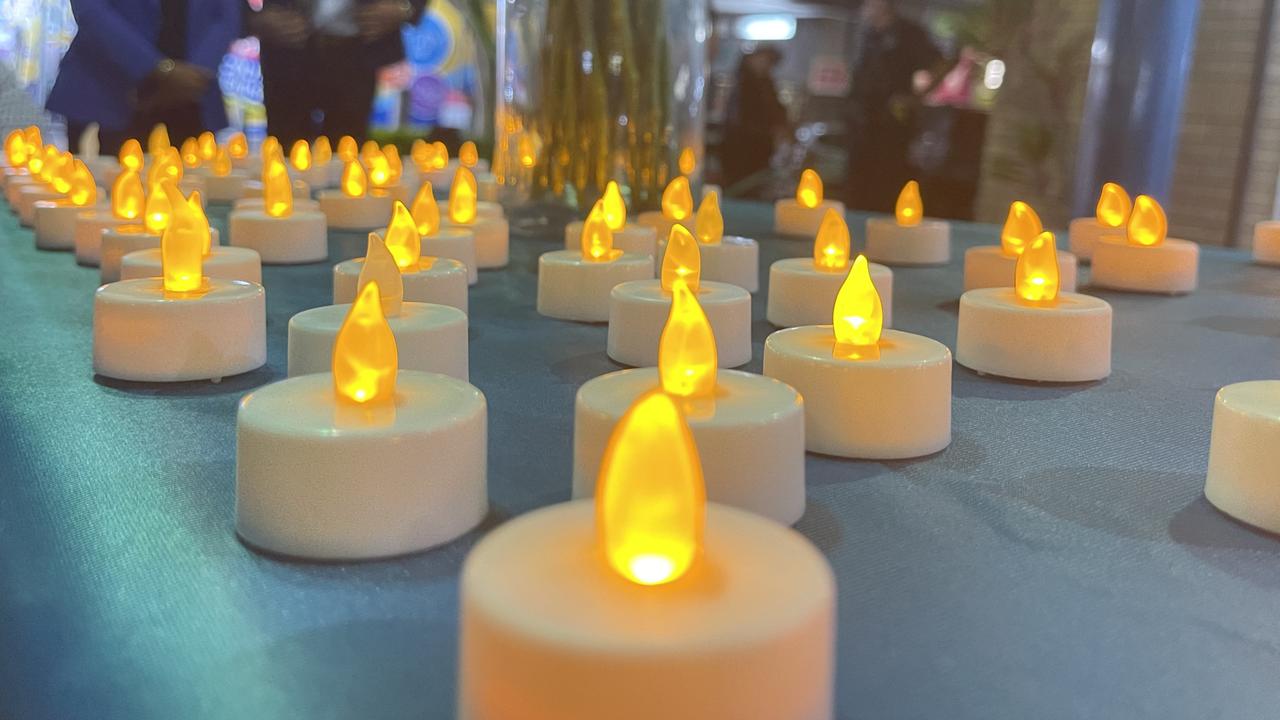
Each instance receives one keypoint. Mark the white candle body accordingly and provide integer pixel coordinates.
(1266, 242)
(440, 281)
(55, 223)
(225, 189)
(1172, 267)
(549, 630)
(489, 209)
(124, 239)
(487, 187)
(492, 240)
(638, 312)
(315, 177)
(301, 237)
(88, 234)
(191, 183)
(140, 333)
(355, 213)
(429, 338)
(1084, 234)
(252, 189)
(14, 184)
(1070, 341)
(987, 266)
(632, 239)
(104, 168)
(27, 199)
(250, 161)
(750, 437)
(888, 408)
(318, 477)
(223, 261)
(661, 225)
(734, 260)
(1244, 452)
(257, 203)
(795, 220)
(928, 243)
(570, 288)
(802, 294)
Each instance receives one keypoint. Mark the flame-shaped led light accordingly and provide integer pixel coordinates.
(687, 162)
(420, 152)
(687, 349)
(158, 212)
(468, 156)
(651, 501)
(321, 151)
(167, 165)
(597, 238)
(238, 146)
(347, 149)
(354, 183)
(158, 140)
(130, 155)
(300, 156)
(364, 353)
(1035, 279)
(425, 211)
(462, 197)
(221, 163)
(527, 151)
(858, 317)
(127, 195)
(380, 267)
(910, 209)
(181, 244)
(831, 245)
(615, 210)
(60, 175)
(394, 163)
(206, 146)
(35, 161)
(189, 151)
(201, 223)
(439, 160)
(15, 149)
(81, 190)
(369, 150)
(1020, 228)
(1147, 223)
(809, 192)
(677, 199)
(277, 189)
(682, 260)
(708, 224)
(270, 149)
(49, 158)
(402, 238)
(1114, 206)
(379, 170)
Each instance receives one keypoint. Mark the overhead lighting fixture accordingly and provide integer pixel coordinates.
(761, 28)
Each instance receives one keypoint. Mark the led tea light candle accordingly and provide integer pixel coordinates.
(1109, 220)
(633, 239)
(15, 158)
(362, 462)
(868, 392)
(189, 151)
(1032, 331)
(425, 279)
(492, 235)
(803, 215)
(733, 260)
(993, 265)
(326, 172)
(183, 325)
(132, 256)
(432, 161)
(1244, 449)
(1145, 260)
(304, 167)
(647, 602)
(52, 164)
(55, 220)
(351, 207)
(803, 290)
(1266, 242)
(128, 200)
(453, 243)
(238, 149)
(224, 184)
(638, 309)
(278, 232)
(18, 177)
(677, 209)
(749, 428)
(575, 284)
(206, 147)
(908, 238)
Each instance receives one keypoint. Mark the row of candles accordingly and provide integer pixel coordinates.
(331, 464)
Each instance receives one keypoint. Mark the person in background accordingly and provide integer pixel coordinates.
(883, 100)
(756, 121)
(320, 60)
(135, 63)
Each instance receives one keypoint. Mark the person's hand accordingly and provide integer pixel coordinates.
(382, 18)
(280, 26)
(178, 83)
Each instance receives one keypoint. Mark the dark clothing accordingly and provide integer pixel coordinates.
(879, 136)
(755, 117)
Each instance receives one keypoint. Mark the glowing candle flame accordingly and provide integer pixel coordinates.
(468, 156)
(158, 140)
(651, 501)
(221, 163)
(15, 149)
(158, 212)
(354, 183)
(35, 161)
(167, 165)
(1020, 228)
(369, 150)
(300, 156)
(206, 146)
(1114, 206)
(809, 192)
(615, 210)
(677, 200)
(347, 150)
(200, 222)
(270, 149)
(364, 353)
(462, 197)
(130, 155)
(440, 158)
(127, 195)
(402, 238)
(190, 152)
(394, 163)
(425, 211)
(910, 209)
(831, 245)
(597, 238)
(687, 349)
(682, 260)
(81, 190)
(49, 158)
(1147, 224)
(379, 171)
(238, 146)
(321, 151)
(420, 152)
(858, 317)
(277, 189)
(1035, 279)
(60, 175)
(527, 151)
(181, 244)
(687, 162)
(34, 140)
(380, 267)
(708, 224)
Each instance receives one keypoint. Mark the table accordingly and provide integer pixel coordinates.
(1057, 561)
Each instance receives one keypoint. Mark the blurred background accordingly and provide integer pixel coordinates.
(1039, 100)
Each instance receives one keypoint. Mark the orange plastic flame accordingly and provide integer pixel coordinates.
(687, 349)
(49, 158)
(82, 190)
(34, 140)
(277, 189)
(1020, 228)
(1114, 206)
(440, 158)
(462, 197)
(35, 160)
(402, 238)
(651, 501)
(364, 354)
(597, 238)
(858, 317)
(238, 146)
(158, 212)
(321, 151)
(1035, 279)
(708, 225)
(809, 192)
(380, 267)
(1147, 224)
(677, 200)
(158, 140)
(354, 182)
(468, 156)
(60, 175)
(15, 149)
(831, 245)
(300, 156)
(206, 146)
(196, 205)
(221, 163)
(425, 211)
(190, 152)
(682, 260)
(347, 150)
(910, 209)
(615, 210)
(181, 244)
(394, 163)
(687, 162)
(166, 165)
(420, 152)
(379, 171)
(130, 155)
(127, 195)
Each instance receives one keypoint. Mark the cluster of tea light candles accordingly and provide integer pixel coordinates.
(685, 474)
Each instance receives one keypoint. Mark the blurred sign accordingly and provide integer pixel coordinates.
(829, 76)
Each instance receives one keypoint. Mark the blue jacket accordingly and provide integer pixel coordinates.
(115, 49)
